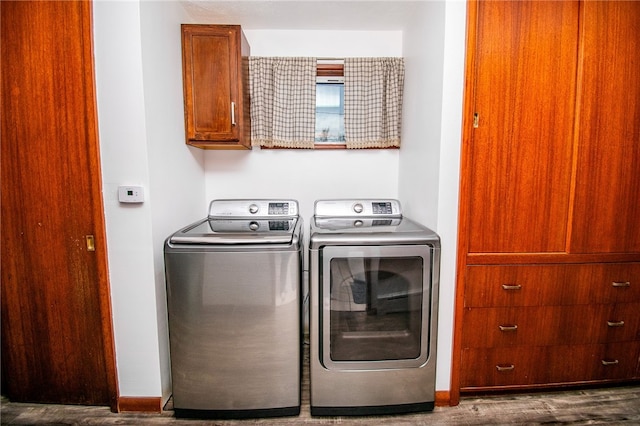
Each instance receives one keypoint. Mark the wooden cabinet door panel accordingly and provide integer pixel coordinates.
(209, 73)
(212, 108)
(520, 154)
(607, 194)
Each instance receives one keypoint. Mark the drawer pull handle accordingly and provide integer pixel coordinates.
(508, 327)
(506, 367)
(621, 284)
(615, 323)
(607, 362)
(511, 286)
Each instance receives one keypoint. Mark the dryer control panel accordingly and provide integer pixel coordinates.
(358, 208)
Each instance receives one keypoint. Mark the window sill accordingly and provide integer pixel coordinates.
(328, 146)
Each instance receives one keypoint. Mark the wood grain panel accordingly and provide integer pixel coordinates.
(212, 108)
(521, 152)
(215, 79)
(531, 366)
(607, 195)
(551, 325)
(56, 320)
(550, 284)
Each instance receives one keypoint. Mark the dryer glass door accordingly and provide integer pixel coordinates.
(376, 306)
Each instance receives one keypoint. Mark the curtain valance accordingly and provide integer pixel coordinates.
(283, 101)
(373, 89)
(283, 98)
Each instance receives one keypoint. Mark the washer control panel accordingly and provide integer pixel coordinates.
(358, 207)
(253, 208)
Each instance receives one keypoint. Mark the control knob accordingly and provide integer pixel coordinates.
(254, 226)
(358, 208)
(253, 208)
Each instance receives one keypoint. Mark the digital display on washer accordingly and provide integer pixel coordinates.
(278, 225)
(382, 208)
(278, 208)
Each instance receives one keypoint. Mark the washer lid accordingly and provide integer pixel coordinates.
(237, 231)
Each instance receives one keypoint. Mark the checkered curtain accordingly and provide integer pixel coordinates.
(283, 101)
(373, 102)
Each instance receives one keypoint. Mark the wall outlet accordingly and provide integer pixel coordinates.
(130, 194)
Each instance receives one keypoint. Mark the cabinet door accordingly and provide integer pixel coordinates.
(607, 194)
(213, 86)
(519, 157)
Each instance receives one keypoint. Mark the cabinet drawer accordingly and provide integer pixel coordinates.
(550, 325)
(557, 284)
(532, 366)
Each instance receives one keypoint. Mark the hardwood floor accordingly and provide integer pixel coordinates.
(611, 406)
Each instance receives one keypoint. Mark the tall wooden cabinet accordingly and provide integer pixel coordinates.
(548, 289)
(215, 71)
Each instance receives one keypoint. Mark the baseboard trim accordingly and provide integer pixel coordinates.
(142, 404)
(443, 398)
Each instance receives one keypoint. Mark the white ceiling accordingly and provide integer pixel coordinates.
(364, 15)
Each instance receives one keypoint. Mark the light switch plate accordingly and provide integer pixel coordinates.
(130, 194)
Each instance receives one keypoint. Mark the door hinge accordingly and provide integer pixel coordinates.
(476, 120)
(91, 244)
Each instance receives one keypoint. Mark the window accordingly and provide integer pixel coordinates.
(329, 110)
(330, 103)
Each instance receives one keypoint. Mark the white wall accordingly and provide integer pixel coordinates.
(138, 77)
(122, 127)
(429, 158)
(449, 178)
(420, 168)
(139, 94)
(307, 175)
(177, 185)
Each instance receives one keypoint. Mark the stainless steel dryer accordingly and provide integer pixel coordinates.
(233, 289)
(373, 309)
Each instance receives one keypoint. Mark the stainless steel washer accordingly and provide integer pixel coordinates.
(234, 301)
(373, 309)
